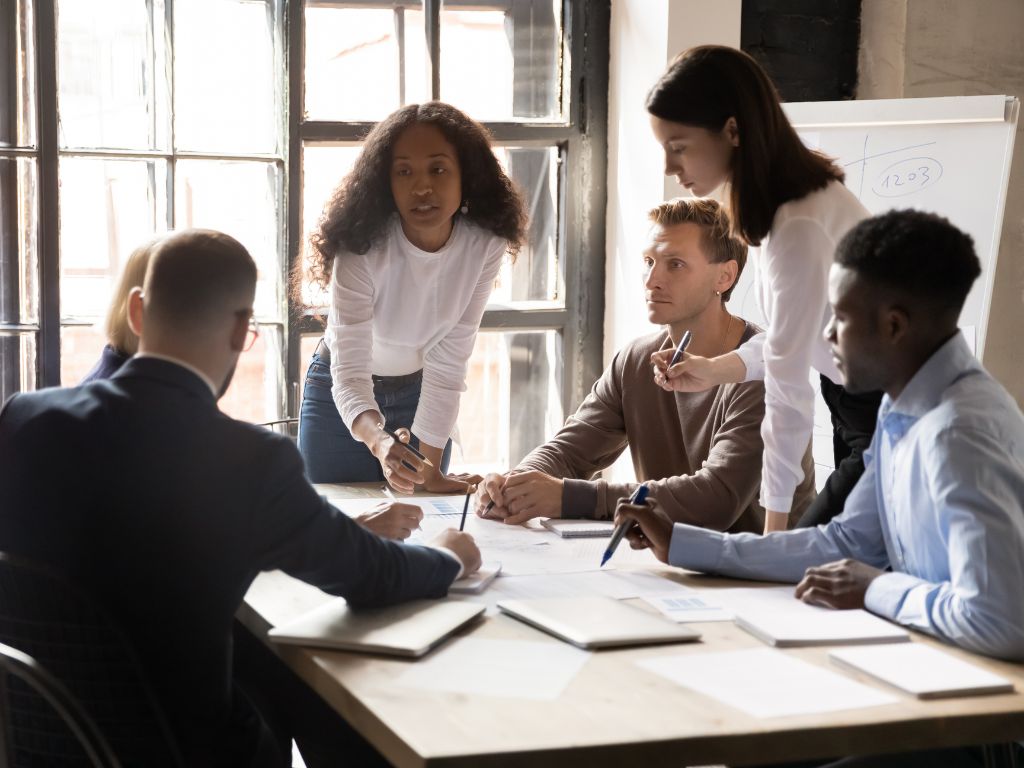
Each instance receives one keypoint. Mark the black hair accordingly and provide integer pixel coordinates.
(917, 254)
(355, 217)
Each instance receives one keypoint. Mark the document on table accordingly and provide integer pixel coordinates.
(512, 669)
(921, 670)
(619, 585)
(690, 607)
(449, 507)
(766, 683)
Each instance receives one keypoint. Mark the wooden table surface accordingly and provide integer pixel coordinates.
(614, 713)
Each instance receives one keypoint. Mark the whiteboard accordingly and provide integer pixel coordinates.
(950, 156)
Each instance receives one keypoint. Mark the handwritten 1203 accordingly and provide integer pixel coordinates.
(907, 177)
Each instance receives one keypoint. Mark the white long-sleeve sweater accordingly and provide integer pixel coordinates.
(791, 270)
(397, 309)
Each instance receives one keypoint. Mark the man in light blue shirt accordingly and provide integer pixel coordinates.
(932, 536)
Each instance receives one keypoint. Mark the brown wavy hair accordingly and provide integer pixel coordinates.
(704, 87)
(356, 215)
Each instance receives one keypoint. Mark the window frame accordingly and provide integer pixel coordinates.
(581, 137)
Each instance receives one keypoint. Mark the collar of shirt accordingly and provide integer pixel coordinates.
(187, 366)
(924, 391)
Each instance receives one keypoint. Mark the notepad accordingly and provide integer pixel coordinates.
(597, 622)
(921, 670)
(580, 529)
(410, 629)
(793, 624)
(476, 582)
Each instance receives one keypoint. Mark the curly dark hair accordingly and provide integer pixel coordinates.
(356, 215)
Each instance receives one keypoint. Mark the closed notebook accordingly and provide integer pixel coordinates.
(476, 582)
(797, 624)
(580, 529)
(921, 670)
(597, 622)
(410, 629)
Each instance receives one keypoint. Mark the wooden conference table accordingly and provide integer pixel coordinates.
(612, 713)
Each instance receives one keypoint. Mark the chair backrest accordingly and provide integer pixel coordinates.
(16, 667)
(71, 636)
(287, 427)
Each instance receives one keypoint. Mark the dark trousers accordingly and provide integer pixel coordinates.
(853, 426)
(291, 710)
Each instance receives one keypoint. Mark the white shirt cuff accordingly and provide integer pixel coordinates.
(697, 549)
(887, 592)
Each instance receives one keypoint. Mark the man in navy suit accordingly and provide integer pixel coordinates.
(141, 490)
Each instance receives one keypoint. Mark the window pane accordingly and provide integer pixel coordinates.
(499, 65)
(513, 399)
(228, 76)
(354, 61)
(80, 348)
(323, 168)
(536, 274)
(17, 363)
(108, 208)
(112, 76)
(243, 200)
(19, 265)
(256, 393)
(18, 78)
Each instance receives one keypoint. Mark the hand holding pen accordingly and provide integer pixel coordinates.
(622, 527)
(675, 373)
(402, 465)
(647, 526)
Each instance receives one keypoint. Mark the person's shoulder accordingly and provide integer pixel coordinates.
(833, 208)
(60, 409)
(976, 407)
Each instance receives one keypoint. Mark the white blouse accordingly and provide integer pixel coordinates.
(791, 272)
(397, 309)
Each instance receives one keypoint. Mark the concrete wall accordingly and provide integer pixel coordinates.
(918, 48)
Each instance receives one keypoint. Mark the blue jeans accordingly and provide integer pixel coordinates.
(330, 452)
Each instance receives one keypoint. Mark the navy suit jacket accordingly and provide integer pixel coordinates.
(142, 490)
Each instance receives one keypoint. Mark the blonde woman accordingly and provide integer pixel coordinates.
(122, 343)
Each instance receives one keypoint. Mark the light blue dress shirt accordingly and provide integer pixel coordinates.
(941, 502)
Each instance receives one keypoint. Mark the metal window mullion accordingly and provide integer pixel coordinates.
(48, 360)
(172, 168)
(295, 54)
(432, 20)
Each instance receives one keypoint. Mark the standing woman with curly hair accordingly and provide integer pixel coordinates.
(718, 118)
(410, 245)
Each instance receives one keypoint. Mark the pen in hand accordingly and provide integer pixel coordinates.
(416, 453)
(639, 497)
(683, 344)
(465, 507)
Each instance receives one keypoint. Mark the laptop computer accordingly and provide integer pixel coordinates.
(409, 630)
(597, 622)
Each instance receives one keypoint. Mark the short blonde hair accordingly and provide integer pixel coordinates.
(719, 244)
(119, 334)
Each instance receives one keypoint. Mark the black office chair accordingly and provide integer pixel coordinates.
(26, 685)
(63, 630)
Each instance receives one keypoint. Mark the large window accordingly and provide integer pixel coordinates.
(122, 119)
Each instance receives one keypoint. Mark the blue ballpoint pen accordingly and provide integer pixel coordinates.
(683, 344)
(639, 497)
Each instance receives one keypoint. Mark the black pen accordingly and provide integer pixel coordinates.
(408, 447)
(465, 507)
(639, 497)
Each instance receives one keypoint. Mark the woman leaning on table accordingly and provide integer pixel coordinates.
(718, 118)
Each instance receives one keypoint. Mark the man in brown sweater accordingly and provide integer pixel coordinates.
(699, 453)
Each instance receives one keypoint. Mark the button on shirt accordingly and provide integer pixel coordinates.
(940, 503)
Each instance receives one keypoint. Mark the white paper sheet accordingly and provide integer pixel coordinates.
(766, 683)
(503, 668)
(449, 507)
(690, 607)
(618, 585)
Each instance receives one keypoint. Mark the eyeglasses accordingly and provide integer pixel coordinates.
(251, 336)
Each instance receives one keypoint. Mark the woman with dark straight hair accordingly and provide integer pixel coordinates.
(718, 118)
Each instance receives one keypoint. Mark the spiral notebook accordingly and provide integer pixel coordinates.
(580, 529)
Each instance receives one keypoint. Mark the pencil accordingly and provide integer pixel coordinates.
(408, 447)
(465, 507)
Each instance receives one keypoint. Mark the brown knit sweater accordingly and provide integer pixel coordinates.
(699, 453)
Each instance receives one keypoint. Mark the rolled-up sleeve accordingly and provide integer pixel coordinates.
(445, 363)
(350, 336)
